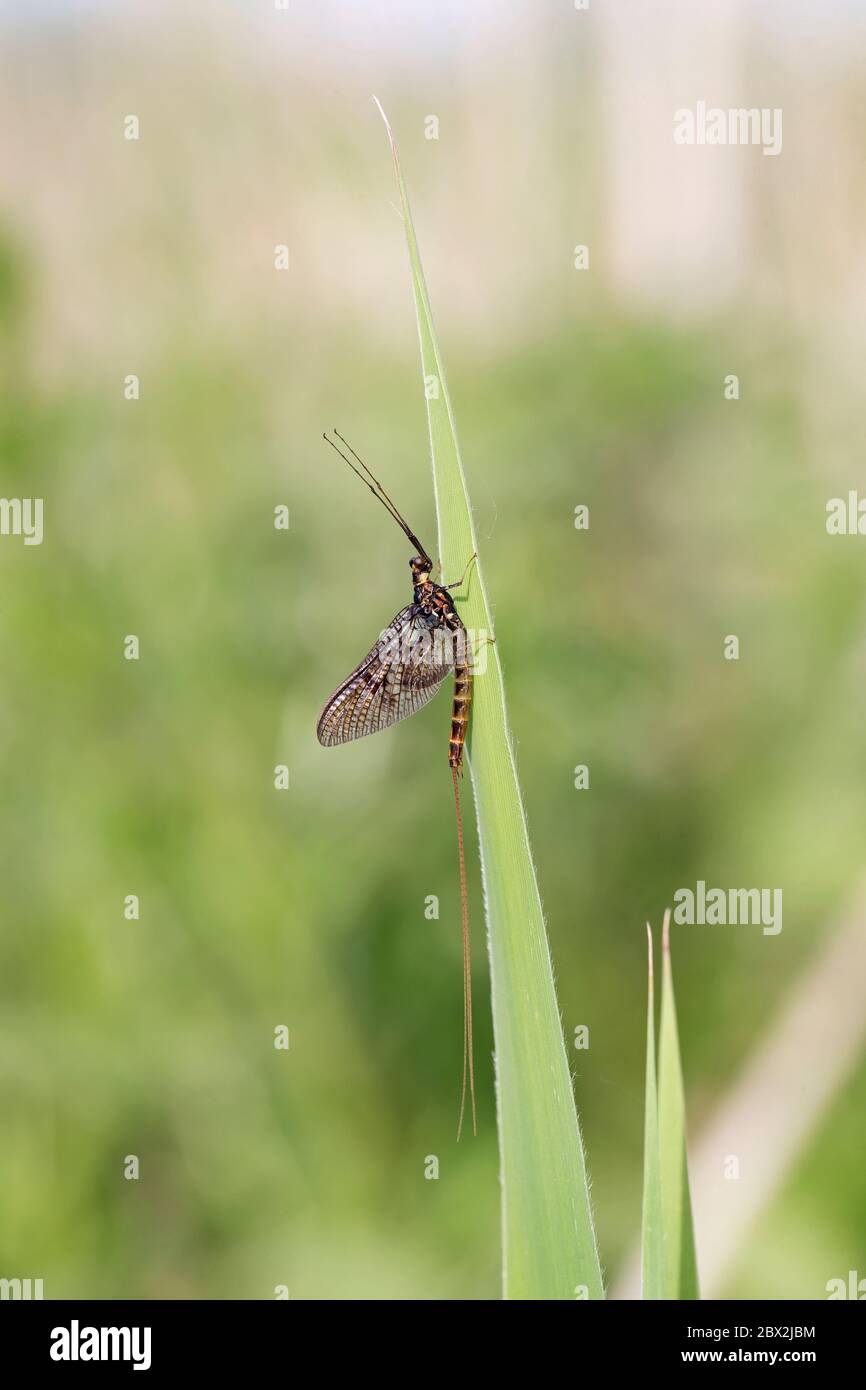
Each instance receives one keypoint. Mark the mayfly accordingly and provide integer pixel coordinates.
(422, 645)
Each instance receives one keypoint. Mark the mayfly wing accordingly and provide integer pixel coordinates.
(401, 673)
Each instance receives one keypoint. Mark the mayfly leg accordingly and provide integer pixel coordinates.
(458, 583)
(485, 641)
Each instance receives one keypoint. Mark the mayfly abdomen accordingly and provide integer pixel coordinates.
(460, 713)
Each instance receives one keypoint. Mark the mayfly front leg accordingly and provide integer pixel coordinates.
(459, 582)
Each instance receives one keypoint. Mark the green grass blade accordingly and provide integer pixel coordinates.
(652, 1245)
(549, 1243)
(681, 1273)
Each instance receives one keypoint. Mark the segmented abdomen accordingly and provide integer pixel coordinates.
(460, 713)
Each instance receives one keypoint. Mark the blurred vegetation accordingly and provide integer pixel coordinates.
(260, 1167)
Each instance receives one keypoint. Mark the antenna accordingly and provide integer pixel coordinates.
(377, 490)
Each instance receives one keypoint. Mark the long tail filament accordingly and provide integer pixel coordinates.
(468, 1061)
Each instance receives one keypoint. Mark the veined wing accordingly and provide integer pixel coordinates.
(397, 677)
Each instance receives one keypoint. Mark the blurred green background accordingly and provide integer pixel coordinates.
(606, 387)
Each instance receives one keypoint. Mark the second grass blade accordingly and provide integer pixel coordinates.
(652, 1229)
(681, 1272)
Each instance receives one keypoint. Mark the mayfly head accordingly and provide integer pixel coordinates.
(420, 567)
